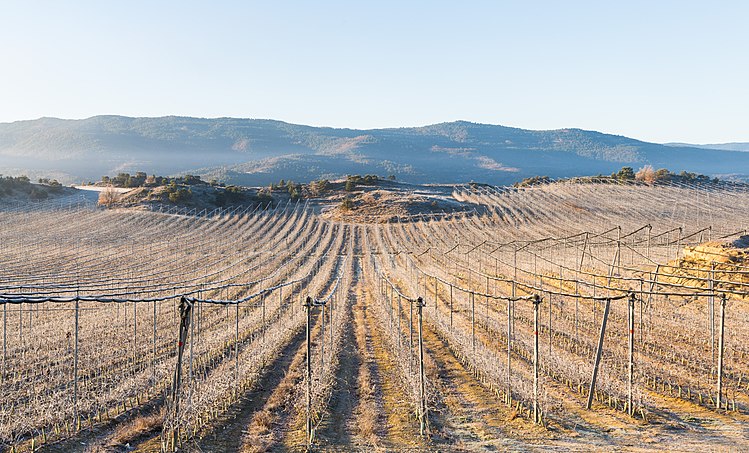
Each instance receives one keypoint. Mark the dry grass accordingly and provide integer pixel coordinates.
(125, 436)
(367, 413)
(263, 420)
(399, 421)
(263, 433)
(137, 427)
(260, 433)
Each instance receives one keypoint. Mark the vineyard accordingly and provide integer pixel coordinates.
(569, 315)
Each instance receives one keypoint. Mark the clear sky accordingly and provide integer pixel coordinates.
(655, 70)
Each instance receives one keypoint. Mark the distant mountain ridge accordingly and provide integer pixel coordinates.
(737, 146)
(259, 151)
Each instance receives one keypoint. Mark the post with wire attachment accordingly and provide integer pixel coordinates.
(473, 321)
(509, 352)
(451, 308)
(410, 337)
(322, 338)
(721, 344)
(236, 345)
(400, 308)
(75, 367)
(5, 339)
(711, 311)
(422, 385)
(536, 303)
(185, 312)
(630, 369)
(308, 305)
(599, 351)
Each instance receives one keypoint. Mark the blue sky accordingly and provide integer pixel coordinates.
(657, 70)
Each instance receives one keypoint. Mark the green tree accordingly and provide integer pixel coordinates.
(318, 188)
(662, 174)
(625, 174)
(179, 195)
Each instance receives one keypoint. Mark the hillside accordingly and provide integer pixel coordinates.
(739, 146)
(405, 328)
(254, 152)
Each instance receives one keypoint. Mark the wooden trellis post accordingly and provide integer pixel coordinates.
(711, 311)
(451, 308)
(399, 321)
(509, 353)
(263, 320)
(333, 303)
(473, 321)
(185, 314)
(322, 338)
(236, 344)
(308, 424)
(577, 299)
(422, 383)
(153, 360)
(5, 339)
(721, 344)
(630, 368)
(599, 351)
(550, 327)
(410, 336)
(135, 333)
(536, 411)
(75, 365)
(486, 299)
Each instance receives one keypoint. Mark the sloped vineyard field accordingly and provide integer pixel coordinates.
(569, 315)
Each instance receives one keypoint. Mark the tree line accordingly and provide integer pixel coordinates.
(646, 174)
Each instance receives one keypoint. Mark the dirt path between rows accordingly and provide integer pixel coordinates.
(335, 430)
(469, 417)
(228, 437)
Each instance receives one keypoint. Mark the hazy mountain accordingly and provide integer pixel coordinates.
(252, 152)
(723, 146)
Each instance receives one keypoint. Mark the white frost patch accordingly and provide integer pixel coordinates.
(491, 164)
(101, 189)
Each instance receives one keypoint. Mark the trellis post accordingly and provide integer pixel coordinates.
(509, 353)
(308, 306)
(153, 361)
(410, 336)
(711, 311)
(236, 343)
(399, 320)
(451, 308)
(473, 321)
(599, 351)
(75, 364)
(630, 369)
(5, 339)
(185, 315)
(422, 383)
(536, 303)
(322, 338)
(721, 343)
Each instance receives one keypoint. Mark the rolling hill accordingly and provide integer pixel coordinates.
(740, 146)
(256, 151)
